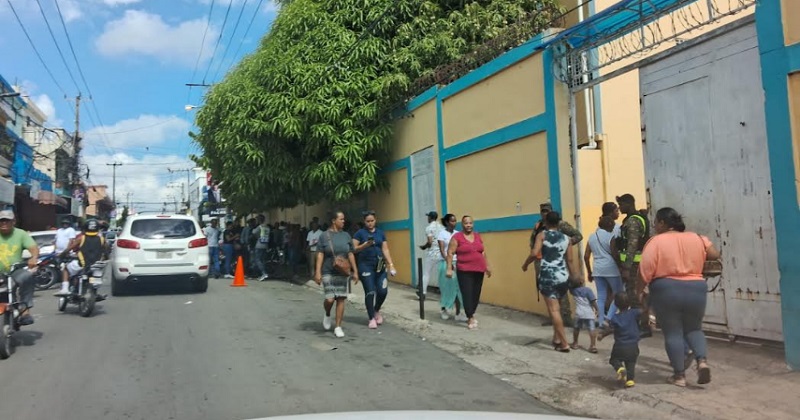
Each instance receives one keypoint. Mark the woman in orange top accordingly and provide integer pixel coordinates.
(672, 267)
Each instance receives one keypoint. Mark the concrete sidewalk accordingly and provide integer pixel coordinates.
(748, 380)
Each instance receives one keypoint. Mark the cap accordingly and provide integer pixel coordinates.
(626, 198)
(432, 214)
(545, 206)
(7, 215)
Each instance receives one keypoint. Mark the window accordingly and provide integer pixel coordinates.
(163, 228)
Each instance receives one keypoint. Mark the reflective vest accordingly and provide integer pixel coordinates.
(623, 255)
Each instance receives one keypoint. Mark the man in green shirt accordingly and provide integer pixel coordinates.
(12, 242)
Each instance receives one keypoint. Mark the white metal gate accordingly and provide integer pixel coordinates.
(423, 199)
(705, 152)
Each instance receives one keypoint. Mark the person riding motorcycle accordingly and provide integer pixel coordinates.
(90, 248)
(12, 242)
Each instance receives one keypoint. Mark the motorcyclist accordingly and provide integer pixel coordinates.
(90, 248)
(12, 242)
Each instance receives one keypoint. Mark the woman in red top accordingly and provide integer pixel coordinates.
(672, 267)
(471, 265)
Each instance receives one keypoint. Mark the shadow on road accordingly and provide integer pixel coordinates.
(27, 337)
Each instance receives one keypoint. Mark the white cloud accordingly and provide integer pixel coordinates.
(146, 178)
(120, 2)
(70, 9)
(45, 104)
(143, 33)
(140, 132)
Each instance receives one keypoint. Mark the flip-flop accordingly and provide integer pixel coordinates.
(562, 350)
(593, 350)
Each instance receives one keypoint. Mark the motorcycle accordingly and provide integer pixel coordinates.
(49, 272)
(83, 288)
(10, 311)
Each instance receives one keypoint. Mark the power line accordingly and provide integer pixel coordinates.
(230, 41)
(58, 48)
(69, 42)
(144, 127)
(219, 39)
(25, 31)
(202, 47)
(244, 37)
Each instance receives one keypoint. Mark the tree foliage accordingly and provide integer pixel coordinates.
(307, 116)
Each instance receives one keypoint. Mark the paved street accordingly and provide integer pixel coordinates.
(232, 353)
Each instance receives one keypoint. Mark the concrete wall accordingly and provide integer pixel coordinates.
(777, 25)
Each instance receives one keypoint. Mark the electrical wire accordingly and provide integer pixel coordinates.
(202, 47)
(219, 39)
(230, 41)
(247, 31)
(58, 47)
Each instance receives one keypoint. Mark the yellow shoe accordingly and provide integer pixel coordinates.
(622, 374)
(630, 384)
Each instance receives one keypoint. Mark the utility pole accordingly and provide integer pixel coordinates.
(128, 199)
(114, 183)
(188, 181)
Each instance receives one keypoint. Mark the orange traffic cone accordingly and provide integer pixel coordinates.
(238, 278)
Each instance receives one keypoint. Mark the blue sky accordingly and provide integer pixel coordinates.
(136, 56)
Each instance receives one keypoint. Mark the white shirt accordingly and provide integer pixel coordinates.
(432, 232)
(213, 236)
(617, 232)
(603, 263)
(63, 236)
(312, 238)
(263, 236)
(445, 236)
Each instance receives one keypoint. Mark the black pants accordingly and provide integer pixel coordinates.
(625, 355)
(470, 283)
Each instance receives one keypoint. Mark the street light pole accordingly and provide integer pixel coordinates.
(114, 182)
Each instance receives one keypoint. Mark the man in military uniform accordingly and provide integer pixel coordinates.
(633, 235)
(575, 237)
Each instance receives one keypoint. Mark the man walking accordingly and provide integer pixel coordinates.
(633, 235)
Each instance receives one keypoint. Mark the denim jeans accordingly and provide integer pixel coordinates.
(213, 253)
(375, 285)
(25, 281)
(261, 257)
(680, 306)
(603, 284)
(227, 250)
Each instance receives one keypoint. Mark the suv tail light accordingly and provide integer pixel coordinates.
(127, 243)
(198, 243)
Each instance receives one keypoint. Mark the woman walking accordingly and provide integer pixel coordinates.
(335, 266)
(373, 259)
(467, 252)
(448, 287)
(558, 265)
(606, 272)
(672, 268)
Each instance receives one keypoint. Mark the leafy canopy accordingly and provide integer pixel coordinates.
(307, 116)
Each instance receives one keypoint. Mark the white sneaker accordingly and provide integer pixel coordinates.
(461, 317)
(63, 292)
(263, 278)
(338, 332)
(228, 276)
(445, 315)
(326, 322)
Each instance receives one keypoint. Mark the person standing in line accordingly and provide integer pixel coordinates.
(585, 314)
(262, 246)
(229, 238)
(312, 239)
(336, 264)
(633, 235)
(467, 252)
(611, 210)
(430, 261)
(575, 237)
(373, 258)
(450, 291)
(212, 235)
(606, 272)
(672, 267)
(558, 265)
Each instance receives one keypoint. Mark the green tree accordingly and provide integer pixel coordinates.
(123, 217)
(308, 115)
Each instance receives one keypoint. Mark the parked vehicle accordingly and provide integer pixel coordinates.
(84, 289)
(49, 272)
(159, 248)
(45, 240)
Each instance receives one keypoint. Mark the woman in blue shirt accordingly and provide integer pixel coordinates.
(373, 259)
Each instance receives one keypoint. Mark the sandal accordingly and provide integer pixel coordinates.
(574, 346)
(703, 373)
(592, 349)
(563, 349)
(676, 380)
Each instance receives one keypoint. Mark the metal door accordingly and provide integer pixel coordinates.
(705, 151)
(423, 200)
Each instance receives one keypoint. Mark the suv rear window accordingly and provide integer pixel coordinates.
(163, 228)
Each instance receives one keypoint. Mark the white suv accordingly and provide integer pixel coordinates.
(160, 247)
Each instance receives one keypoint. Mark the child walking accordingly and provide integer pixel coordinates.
(585, 313)
(626, 340)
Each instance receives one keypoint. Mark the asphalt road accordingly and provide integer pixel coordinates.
(231, 353)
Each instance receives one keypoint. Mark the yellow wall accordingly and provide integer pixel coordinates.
(488, 184)
(791, 21)
(509, 286)
(591, 186)
(415, 131)
(399, 246)
(794, 116)
(393, 204)
(508, 97)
